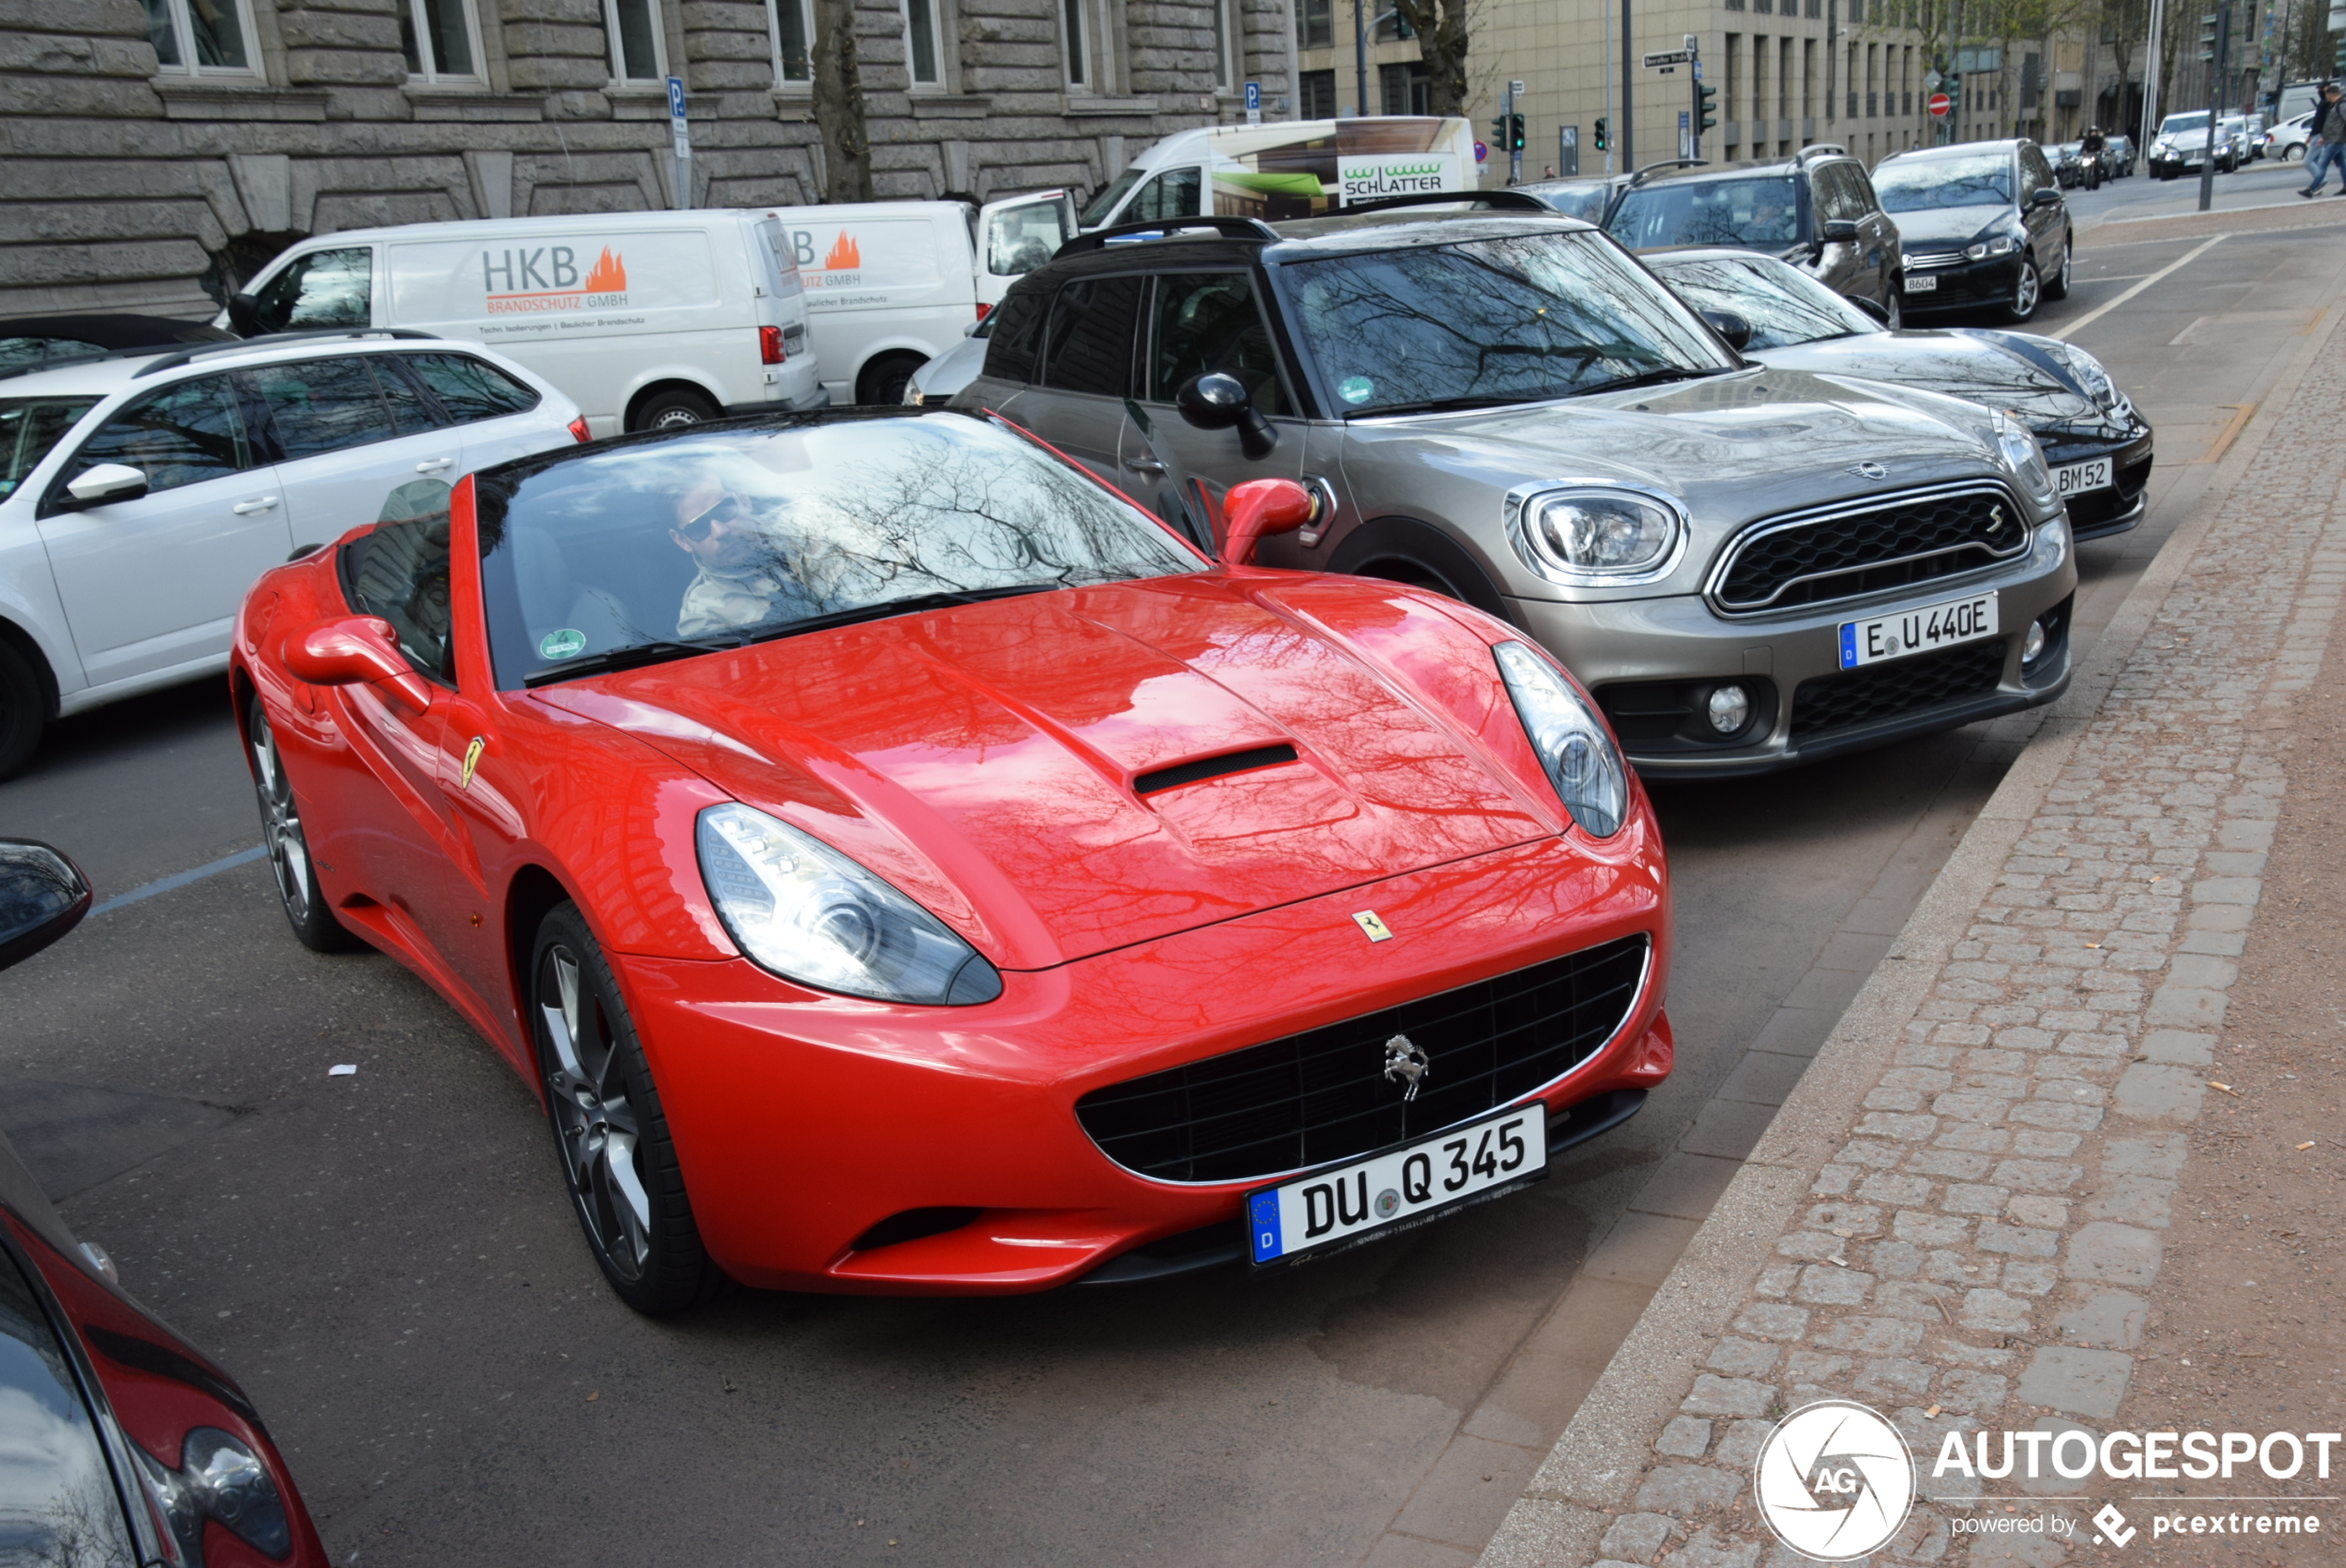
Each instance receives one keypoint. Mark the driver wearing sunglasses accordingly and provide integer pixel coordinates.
(744, 580)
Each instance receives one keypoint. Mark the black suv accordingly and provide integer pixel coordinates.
(1817, 211)
(1985, 224)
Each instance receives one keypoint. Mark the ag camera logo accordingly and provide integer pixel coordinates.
(1834, 1481)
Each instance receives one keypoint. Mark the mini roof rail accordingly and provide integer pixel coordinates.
(1229, 228)
(1498, 200)
(323, 335)
(1642, 174)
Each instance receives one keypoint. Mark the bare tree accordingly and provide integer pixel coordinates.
(839, 105)
(1441, 27)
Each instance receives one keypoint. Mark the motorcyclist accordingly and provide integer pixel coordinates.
(2093, 148)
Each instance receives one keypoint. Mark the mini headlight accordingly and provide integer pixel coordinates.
(1596, 536)
(808, 913)
(1572, 743)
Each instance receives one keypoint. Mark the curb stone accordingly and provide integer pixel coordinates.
(1878, 1121)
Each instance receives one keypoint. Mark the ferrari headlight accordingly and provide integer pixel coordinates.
(1574, 747)
(807, 912)
(2022, 456)
(222, 1480)
(1596, 537)
(2087, 372)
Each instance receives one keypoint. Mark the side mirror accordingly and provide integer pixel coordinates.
(1260, 506)
(1875, 308)
(43, 896)
(104, 484)
(1730, 326)
(1838, 230)
(1218, 401)
(2046, 196)
(244, 316)
(356, 650)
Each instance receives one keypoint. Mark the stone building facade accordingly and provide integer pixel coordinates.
(154, 154)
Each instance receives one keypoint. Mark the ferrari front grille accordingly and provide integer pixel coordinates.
(1867, 547)
(1308, 1099)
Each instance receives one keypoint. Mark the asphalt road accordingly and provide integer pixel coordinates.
(388, 1262)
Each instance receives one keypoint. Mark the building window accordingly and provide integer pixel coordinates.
(637, 51)
(440, 38)
(1406, 88)
(1319, 95)
(920, 42)
(791, 31)
(1315, 24)
(201, 37)
(1222, 75)
(1079, 44)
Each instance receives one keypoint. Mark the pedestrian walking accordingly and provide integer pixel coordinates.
(2326, 143)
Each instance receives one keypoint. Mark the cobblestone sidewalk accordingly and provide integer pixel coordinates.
(1967, 1208)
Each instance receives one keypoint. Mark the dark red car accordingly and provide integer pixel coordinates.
(904, 864)
(121, 1445)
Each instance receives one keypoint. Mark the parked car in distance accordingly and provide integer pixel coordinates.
(933, 384)
(1589, 197)
(2069, 164)
(2286, 141)
(644, 320)
(869, 809)
(1985, 226)
(2245, 135)
(1288, 169)
(1504, 409)
(2096, 440)
(2118, 154)
(28, 342)
(2295, 99)
(141, 494)
(892, 284)
(2182, 147)
(1817, 212)
(120, 1442)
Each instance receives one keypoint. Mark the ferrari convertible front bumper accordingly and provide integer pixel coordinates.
(830, 1144)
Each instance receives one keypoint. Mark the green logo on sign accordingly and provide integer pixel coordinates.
(564, 644)
(1355, 389)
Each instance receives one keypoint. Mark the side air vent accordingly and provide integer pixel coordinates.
(1213, 768)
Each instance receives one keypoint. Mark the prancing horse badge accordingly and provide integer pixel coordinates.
(1374, 924)
(472, 760)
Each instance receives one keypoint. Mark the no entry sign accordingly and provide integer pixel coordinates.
(1940, 105)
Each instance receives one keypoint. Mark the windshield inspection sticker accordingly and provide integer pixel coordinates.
(1355, 389)
(564, 644)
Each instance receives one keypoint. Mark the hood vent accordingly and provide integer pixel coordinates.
(1213, 768)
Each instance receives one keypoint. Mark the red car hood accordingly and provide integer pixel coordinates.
(983, 758)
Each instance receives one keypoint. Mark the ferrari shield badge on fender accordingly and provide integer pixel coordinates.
(472, 760)
(1373, 924)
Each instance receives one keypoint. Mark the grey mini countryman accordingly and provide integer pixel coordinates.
(1749, 568)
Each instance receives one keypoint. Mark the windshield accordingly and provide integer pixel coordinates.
(1763, 210)
(1095, 211)
(720, 538)
(1585, 202)
(29, 426)
(57, 1498)
(1783, 305)
(1917, 185)
(1509, 320)
(2175, 125)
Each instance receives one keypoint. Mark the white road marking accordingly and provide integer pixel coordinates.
(2100, 311)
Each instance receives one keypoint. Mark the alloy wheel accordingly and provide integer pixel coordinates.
(2068, 262)
(594, 1119)
(2026, 293)
(1897, 310)
(281, 830)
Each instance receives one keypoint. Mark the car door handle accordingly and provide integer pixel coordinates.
(1148, 465)
(258, 503)
(433, 464)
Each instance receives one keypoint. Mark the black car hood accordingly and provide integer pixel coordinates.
(1996, 369)
(1938, 228)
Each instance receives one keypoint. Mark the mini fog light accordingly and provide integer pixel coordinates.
(1730, 705)
(2031, 650)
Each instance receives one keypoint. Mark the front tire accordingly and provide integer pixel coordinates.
(885, 379)
(2057, 287)
(611, 1136)
(23, 711)
(1895, 309)
(287, 842)
(2027, 293)
(673, 410)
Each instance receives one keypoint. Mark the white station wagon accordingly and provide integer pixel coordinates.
(142, 492)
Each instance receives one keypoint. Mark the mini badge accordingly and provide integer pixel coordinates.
(472, 760)
(1372, 923)
(564, 644)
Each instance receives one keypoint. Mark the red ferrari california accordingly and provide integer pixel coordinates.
(903, 864)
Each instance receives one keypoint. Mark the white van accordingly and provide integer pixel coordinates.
(644, 320)
(892, 284)
(1291, 169)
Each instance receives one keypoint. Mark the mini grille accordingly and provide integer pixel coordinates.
(1322, 1095)
(1838, 552)
(1885, 691)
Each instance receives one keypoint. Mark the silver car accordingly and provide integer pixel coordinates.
(1747, 567)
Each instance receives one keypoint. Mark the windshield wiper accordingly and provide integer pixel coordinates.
(910, 606)
(1653, 377)
(1449, 404)
(631, 658)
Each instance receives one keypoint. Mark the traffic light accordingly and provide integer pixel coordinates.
(1706, 107)
(2215, 34)
(1515, 133)
(1605, 135)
